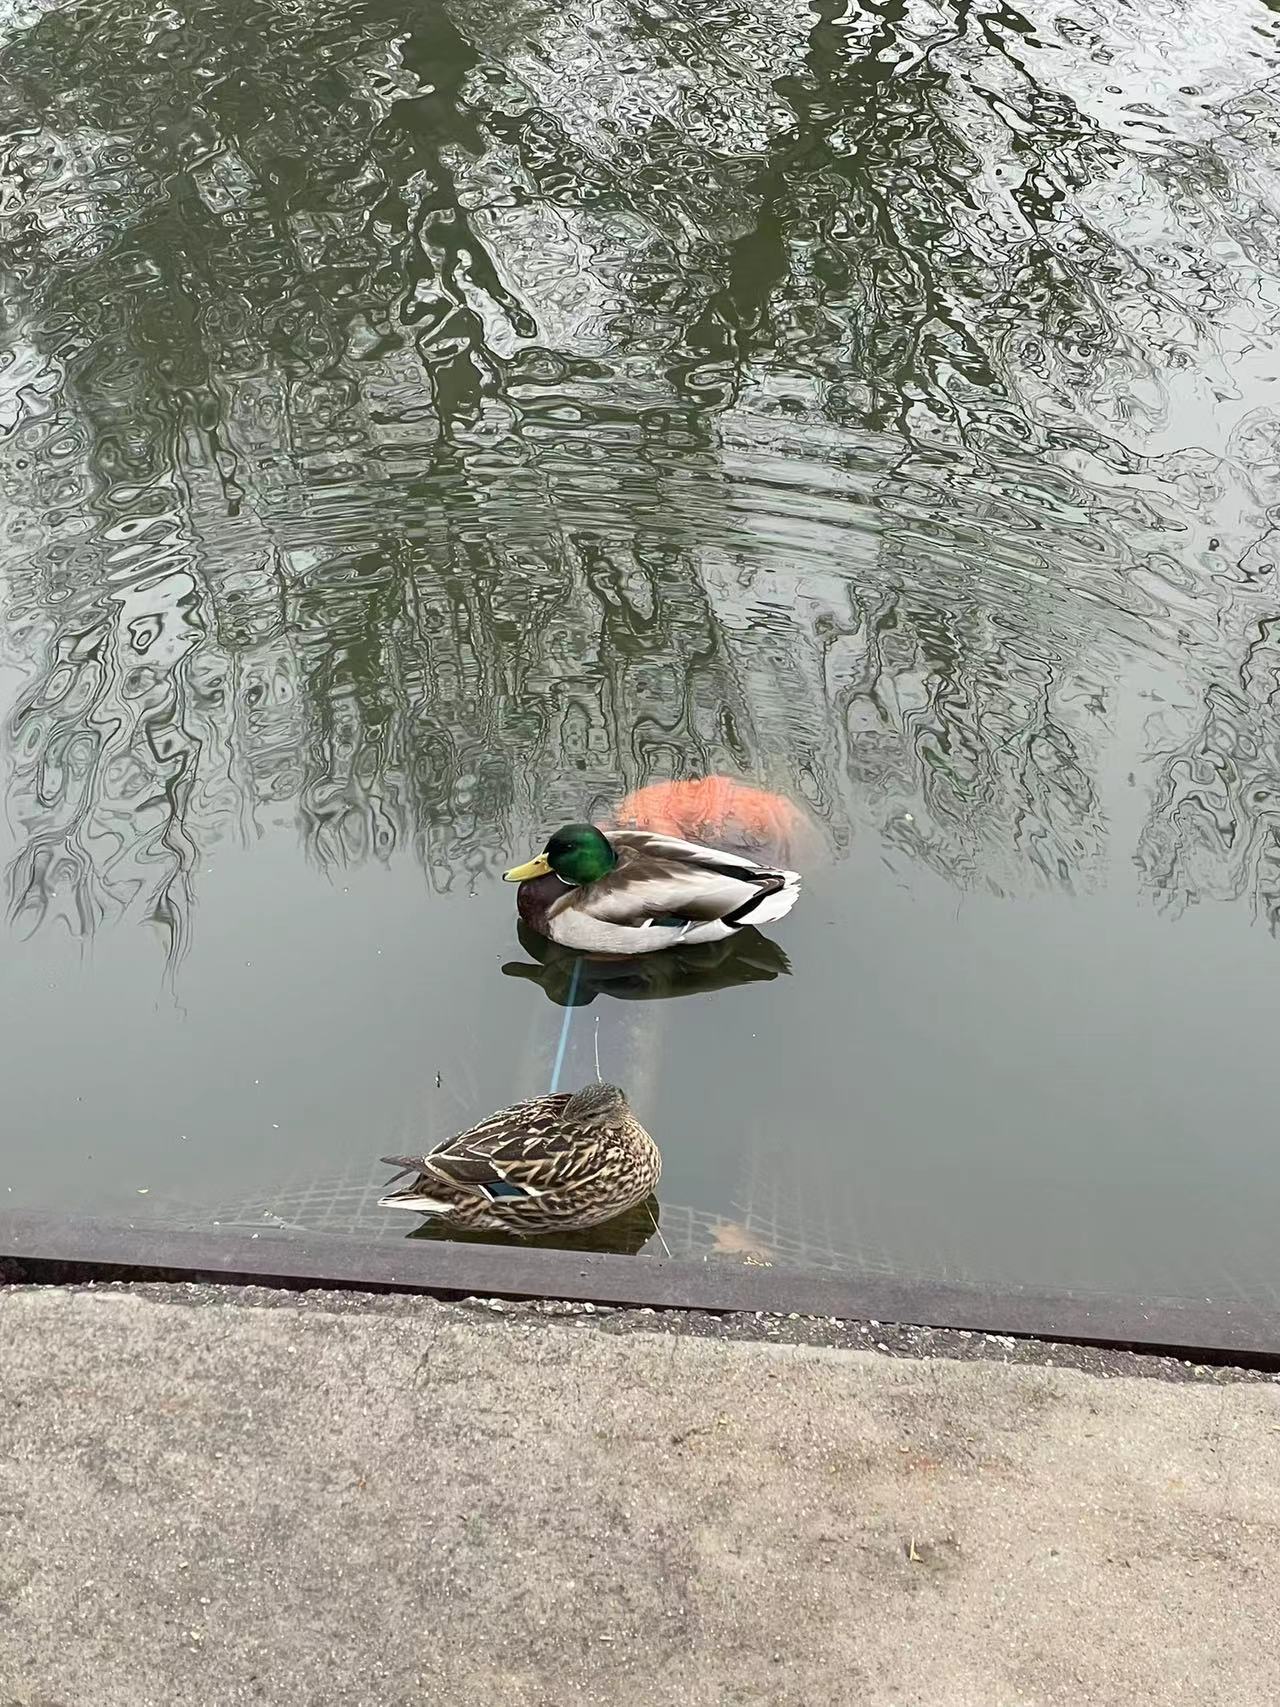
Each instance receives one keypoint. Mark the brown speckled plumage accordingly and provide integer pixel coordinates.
(557, 1162)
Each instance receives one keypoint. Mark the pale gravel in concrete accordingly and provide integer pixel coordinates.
(320, 1500)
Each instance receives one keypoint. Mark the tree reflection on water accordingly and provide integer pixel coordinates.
(417, 430)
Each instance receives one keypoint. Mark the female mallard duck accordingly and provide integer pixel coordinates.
(558, 1162)
(635, 891)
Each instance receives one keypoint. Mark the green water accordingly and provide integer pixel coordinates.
(422, 424)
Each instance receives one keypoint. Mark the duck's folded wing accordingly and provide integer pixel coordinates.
(645, 846)
(506, 1151)
(500, 1149)
(652, 890)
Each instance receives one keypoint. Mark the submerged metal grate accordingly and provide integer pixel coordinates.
(768, 1228)
(772, 1219)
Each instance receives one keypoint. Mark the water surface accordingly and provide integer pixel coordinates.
(421, 425)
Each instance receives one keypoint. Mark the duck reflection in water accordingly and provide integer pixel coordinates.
(625, 1235)
(745, 958)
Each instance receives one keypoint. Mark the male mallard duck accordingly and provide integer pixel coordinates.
(634, 891)
(556, 1162)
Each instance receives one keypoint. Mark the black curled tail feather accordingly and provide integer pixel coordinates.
(770, 883)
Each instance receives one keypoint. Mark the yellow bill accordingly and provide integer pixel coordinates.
(538, 867)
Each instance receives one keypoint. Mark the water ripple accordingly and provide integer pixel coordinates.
(412, 433)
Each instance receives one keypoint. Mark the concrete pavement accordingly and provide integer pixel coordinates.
(220, 1496)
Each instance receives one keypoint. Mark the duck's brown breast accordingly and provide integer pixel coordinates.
(534, 898)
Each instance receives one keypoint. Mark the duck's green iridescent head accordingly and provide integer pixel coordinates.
(577, 853)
